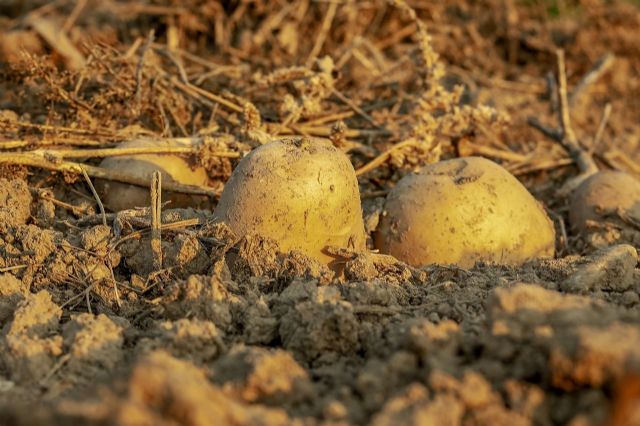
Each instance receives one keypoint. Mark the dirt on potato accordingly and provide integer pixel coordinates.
(106, 319)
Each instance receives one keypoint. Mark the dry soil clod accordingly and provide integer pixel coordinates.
(609, 269)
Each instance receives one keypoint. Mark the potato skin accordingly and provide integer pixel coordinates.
(118, 196)
(301, 192)
(604, 192)
(462, 211)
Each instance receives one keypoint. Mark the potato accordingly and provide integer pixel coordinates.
(463, 211)
(604, 193)
(300, 192)
(121, 196)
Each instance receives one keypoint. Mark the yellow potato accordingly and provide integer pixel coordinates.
(463, 211)
(604, 193)
(120, 196)
(301, 192)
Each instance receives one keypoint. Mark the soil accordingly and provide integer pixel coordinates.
(231, 330)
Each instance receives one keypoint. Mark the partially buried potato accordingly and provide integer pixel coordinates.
(121, 196)
(462, 211)
(301, 192)
(609, 194)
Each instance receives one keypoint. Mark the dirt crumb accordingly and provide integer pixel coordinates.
(587, 343)
(312, 330)
(96, 239)
(596, 356)
(186, 256)
(206, 298)
(414, 407)
(254, 374)
(191, 339)
(12, 290)
(31, 344)
(94, 345)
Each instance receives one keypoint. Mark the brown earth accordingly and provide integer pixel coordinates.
(232, 331)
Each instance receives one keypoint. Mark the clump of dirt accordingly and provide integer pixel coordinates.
(94, 346)
(15, 200)
(255, 374)
(12, 291)
(326, 329)
(191, 339)
(469, 346)
(163, 390)
(31, 344)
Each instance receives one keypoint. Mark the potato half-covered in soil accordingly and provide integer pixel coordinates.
(174, 168)
(462, 211)
(606, 193)
(300, 192)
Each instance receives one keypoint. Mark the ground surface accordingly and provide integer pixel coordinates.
(232, 330)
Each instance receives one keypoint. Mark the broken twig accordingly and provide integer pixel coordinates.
(156, 220)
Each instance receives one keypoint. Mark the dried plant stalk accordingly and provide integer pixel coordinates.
(156, 220)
